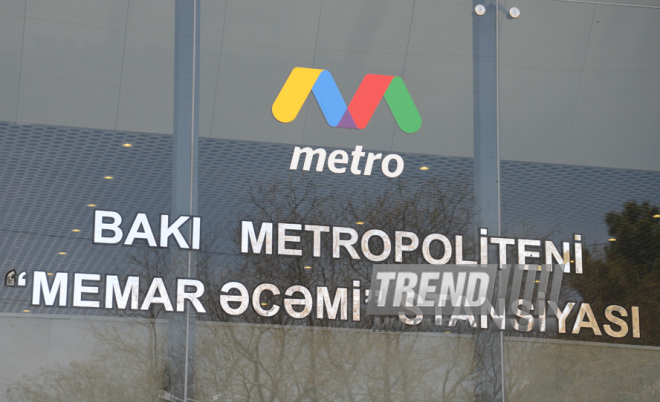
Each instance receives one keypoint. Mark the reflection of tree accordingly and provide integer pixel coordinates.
(130, 361)
(302, 363)
(279, 358)
(127, 366)
(268, 362)
(628, 272)
(579, 371)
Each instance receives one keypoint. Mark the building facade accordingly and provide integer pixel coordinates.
(199, 196)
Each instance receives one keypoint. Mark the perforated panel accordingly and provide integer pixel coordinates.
(50, 174)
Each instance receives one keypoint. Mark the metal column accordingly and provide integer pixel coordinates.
(488, 345)
(181, 328)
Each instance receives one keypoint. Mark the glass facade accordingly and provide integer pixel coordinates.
(198, 195)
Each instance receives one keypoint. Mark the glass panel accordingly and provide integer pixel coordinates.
(580, 371)
(86, 126)
(265, 349)
(579, 133)
(249, 53)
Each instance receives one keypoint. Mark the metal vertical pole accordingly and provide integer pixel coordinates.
(489, 346)
(181, 329)
(486, 131)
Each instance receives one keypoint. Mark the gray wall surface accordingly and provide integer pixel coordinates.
(579, 83)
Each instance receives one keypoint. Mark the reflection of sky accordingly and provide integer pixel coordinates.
(51, 173)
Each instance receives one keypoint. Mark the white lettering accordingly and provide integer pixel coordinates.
(337, 157)
(309, 156)
(323, 300)
(385, 166)
(79, 289)
(256, 300)
(317, 236)
(243, 298)
(426, 251)
(387, 245)
(523, 253)
(357, 154)
(306, 301)
(399, 247)
(585, 311)
(370, 163)
(182, 295)
(141, 221)
(167, 231)
(282, 238)
(338, 242)
(157, 285)
(100, 226)
(41, 285)
(265, 234)
(131, 290)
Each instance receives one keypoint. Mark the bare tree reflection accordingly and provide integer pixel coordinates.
(280, 358)
(250, 357)
(304, 359)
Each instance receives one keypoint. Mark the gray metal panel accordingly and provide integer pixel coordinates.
(580, 85)
(72, 55)
(617, 119)
(262, 42)
(540, 78)
(147, 84)
(11, 39)
(439, 75)
(429, 44)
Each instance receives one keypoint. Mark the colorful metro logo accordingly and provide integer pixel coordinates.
(357, 114)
